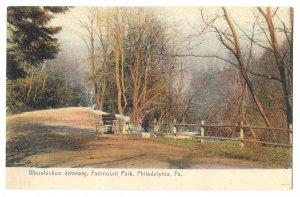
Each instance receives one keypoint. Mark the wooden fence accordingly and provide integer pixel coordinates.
(201, 135)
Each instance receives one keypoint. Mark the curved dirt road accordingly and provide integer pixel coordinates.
(66, 138)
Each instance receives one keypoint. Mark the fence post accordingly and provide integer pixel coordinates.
(291, 134)
(242, 135)
(202, 132)
(175, 129)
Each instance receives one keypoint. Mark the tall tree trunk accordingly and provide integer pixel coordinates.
(145, 84)
(282, 68)
(135, 93)
(135, 76)
(40, 76)
(255, 98)
(30, 85)
(291, 46)
(94, 74)
(95, 83)
(102, 95)
(119, 90)
(237, 52)
(103, 78)
(44, 83)
(122, 50)
(242, 111)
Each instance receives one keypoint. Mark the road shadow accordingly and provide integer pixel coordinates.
(40, 138)
(182, 163)
(109, 164)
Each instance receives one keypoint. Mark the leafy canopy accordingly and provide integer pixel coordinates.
(30, 38)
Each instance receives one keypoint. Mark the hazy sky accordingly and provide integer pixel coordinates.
(186, 17)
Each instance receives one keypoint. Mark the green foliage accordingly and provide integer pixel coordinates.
(55, 93)
(269, 91)
(30, 39)
(13, 70)
(266, 155)
(15, 96)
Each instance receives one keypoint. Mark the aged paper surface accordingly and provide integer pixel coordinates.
(72, 147)
(213, 179)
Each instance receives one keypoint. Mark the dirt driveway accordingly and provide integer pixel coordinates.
(66, 138)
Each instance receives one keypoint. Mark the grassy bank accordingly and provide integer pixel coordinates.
(268, 156)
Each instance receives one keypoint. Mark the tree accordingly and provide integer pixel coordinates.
(146, 45)
(284, 67)
(229, 38)
(30, 42)
(271, 26)
(126, 51)
(30, 39)
(13, 70)
(89, 38)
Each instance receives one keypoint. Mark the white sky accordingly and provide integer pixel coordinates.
(72, 44)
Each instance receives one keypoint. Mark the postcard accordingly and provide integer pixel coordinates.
(149, 97)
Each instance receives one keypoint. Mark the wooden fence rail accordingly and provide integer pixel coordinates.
(201, 136)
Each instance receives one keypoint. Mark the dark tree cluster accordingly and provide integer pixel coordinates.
(31, 40)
